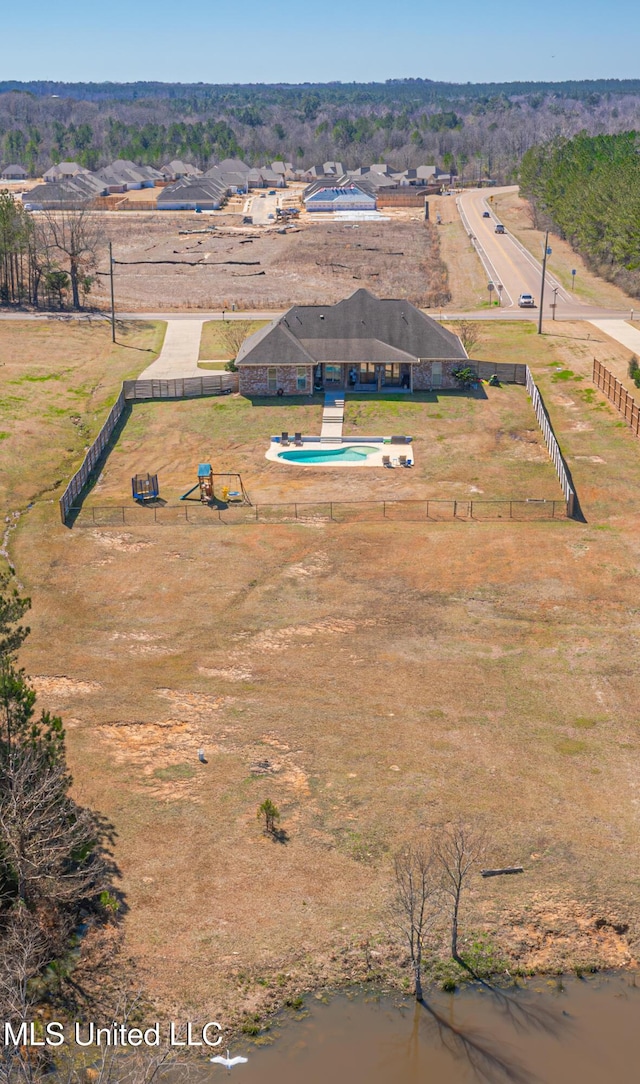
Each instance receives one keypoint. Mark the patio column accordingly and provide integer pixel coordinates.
(411, 379)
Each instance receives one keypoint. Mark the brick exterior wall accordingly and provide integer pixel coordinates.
(254, 381)
(422, 375)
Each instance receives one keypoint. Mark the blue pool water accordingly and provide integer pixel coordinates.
(349, 453)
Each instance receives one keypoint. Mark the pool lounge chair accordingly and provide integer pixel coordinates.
(386, 461)
(298, 439)
(284, 439)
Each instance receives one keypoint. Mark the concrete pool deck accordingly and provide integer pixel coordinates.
(373, 459)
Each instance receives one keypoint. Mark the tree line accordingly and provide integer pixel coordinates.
(477, 130)
(48, 259)
(587, 189)
(56, 874)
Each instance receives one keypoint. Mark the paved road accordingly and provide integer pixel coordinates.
(507, 262)
(260, 206)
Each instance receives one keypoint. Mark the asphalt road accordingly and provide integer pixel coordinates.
(508, 264)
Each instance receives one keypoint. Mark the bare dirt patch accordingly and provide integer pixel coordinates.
(263, 269)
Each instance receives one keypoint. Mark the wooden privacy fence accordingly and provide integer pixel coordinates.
(191, 387)
(187, 388)
(617, 394)
(552, 443)
(508, 374)
(90, 461)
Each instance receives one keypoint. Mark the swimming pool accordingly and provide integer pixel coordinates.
(349, 453)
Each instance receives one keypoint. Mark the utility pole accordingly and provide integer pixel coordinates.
(113, 304)
(544, 268)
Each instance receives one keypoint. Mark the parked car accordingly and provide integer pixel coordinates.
(486, 214)
(526, 301)
(271, 216)
(500, 228)
(272, 192)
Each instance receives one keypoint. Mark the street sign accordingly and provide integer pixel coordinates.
(549, 251)
(574, 272)
(490, 286)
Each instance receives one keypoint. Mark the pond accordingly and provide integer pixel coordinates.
(556, 1031)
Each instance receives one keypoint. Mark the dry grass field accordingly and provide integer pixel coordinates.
(373, 679)
(467, 281)
(264, 269)
(57, 381)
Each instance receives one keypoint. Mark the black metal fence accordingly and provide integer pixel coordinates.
(398, 511)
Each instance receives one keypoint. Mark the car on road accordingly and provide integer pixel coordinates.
(500, 228)
(526, 301)
(486, 214)
(272, 192)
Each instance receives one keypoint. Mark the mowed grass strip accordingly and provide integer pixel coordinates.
(58, 381)
(221, 339)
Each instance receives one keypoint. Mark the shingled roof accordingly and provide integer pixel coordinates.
(360, 328)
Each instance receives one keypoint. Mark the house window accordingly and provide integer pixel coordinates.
(436, 374)
(301, 378)
(272, 378)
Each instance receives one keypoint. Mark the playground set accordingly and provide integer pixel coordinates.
(230, 489)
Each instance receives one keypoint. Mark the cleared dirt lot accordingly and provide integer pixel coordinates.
(374, 680)
(257, 269)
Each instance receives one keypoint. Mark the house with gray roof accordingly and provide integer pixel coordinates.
(193, 194)
(174, 170)
(13, 172)
(363, 342)
(75, 193)
(124, 176)
(64, 171)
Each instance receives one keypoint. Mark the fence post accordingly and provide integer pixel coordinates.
(510, 509)
(123, 519)
(384, 509)
(331, 510)
(470, 509)
(455, 509)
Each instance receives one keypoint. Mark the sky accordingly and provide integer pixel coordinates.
(265, 41)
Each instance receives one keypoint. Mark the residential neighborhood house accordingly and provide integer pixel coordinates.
(362, 342)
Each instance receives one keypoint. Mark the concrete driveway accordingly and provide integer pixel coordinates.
(179, 354)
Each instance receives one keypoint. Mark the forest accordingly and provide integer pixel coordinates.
(587, 190)
(478, 130)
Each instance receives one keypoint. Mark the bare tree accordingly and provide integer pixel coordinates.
(469, 332)
(412, 906)
(44, 834)
(233, 333)
(74, 236)
(457, 852)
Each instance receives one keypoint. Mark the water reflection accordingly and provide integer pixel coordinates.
(585, 1032)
